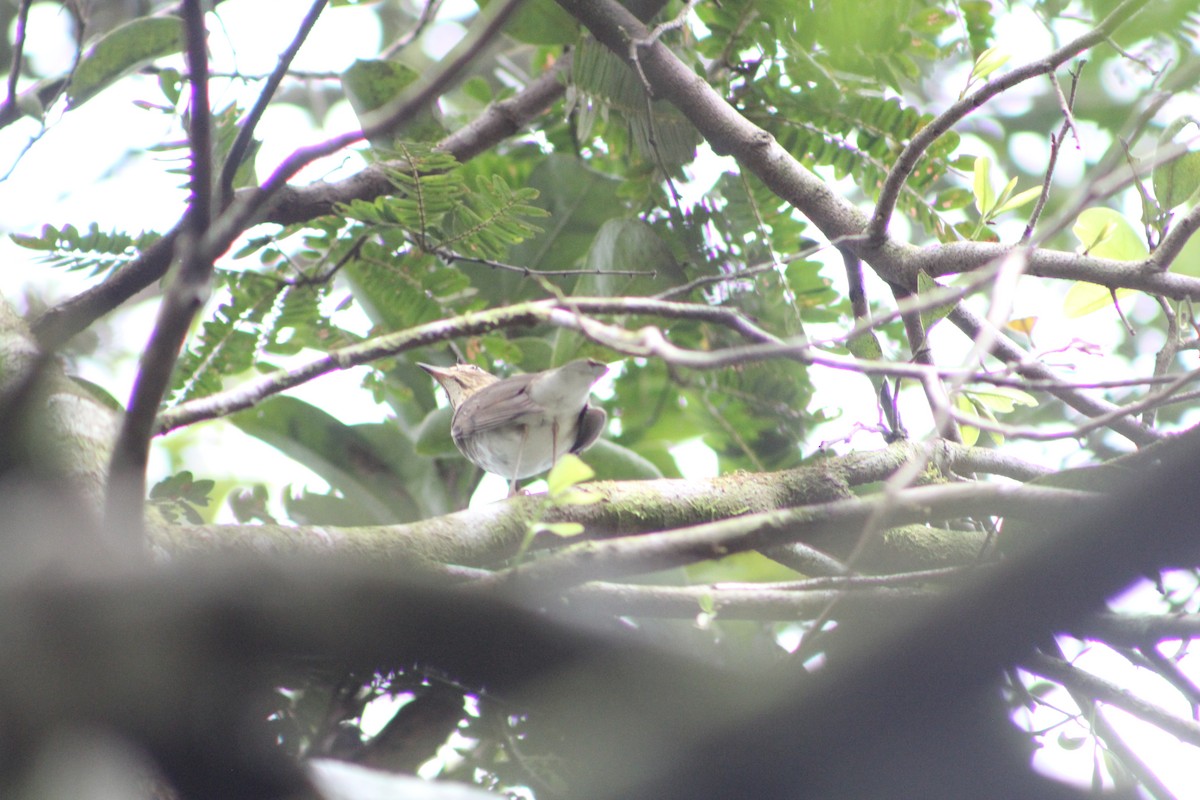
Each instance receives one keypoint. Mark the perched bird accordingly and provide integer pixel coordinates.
(519, 426)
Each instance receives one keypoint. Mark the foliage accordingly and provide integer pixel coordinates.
(94, 250)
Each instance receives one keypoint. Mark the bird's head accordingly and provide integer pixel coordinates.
(460, 381)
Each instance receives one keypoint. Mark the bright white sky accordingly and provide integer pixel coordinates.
(103, 177)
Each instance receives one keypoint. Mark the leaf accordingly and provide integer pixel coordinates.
(1005, 193)
(368, 464)
(1000, 399)
(1103, 233)
(568, 472)
(433, 434)
(1024, 325)
(969, 433)
(629, 244)
(612, 461)
(865, 346)
(371, 86)
(931, 316)
(120, 51)
(541, 22)
(1069, 742)
(1177, 181)
(563, 529)
(1084, 298)
(985, 197)
(1019, 199)
(988, 62)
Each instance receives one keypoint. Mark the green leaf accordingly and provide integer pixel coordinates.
(577, 497)
(988, 62)
(372, 465)
(1103, 233)
(540, 22)
(1018, 200)
(1000, 399)
(372, 85)
(1177, 181)
(433, 434)
(1002, 198)
(122, 50)
(865, 346)
(931, 316)
(985, 197)
(622, 245)
(568, 472)
(969, 433)
(563, 529)
(614, 462)
(1085, 298)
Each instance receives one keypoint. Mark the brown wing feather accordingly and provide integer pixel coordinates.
(494, 406)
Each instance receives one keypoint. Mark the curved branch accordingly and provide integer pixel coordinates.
(957, 257)
(561, 313)
(908, 158)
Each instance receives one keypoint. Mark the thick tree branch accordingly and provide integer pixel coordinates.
(824, 525)
(492, 533)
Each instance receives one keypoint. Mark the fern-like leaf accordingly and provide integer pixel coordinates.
(96, 250)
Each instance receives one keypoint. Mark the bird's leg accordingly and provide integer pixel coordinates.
(553, 444)
(512, 486)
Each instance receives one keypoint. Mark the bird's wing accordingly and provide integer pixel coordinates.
(493, 407)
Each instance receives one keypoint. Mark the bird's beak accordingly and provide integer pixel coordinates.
(439, 373)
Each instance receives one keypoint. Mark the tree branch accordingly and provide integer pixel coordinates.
(924, 138)
(728, 132)
(237, 152)
(290, 205)
(184, 298)
(818, 524)
(1104, 691)
(492, 533)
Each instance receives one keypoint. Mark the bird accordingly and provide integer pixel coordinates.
(520, 426)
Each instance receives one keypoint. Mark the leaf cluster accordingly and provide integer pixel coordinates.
(99, 252)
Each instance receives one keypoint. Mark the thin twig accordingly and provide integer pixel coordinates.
(1056, 143)
(428, 13)
(451, 257)
(246, 130)
(18, 54)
